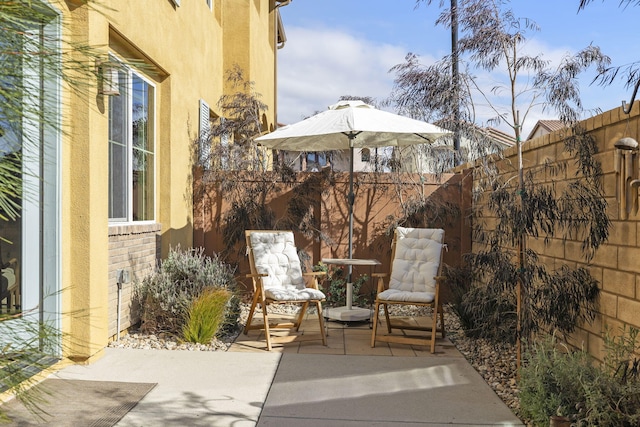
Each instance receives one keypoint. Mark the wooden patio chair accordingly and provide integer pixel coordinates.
(415, 279)
(277, 278)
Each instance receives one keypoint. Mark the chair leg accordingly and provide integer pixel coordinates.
(321, 321)
(386, 316)
(300, 318)
(442, 322)
(251, 312)
(434, 326)
(267, 333)
(434, 329)
(375, 324)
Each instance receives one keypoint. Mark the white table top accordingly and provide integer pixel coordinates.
(347, 261)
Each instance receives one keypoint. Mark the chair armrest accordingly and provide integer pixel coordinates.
(314, 275)
(255, 279)
(380, 277)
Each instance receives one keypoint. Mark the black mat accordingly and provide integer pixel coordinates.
(77, 403)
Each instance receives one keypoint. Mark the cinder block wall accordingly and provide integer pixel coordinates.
(135, 249)
(616, 265)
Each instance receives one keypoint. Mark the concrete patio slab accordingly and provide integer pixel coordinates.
(326, 390)
(303, 383)
(195, 388)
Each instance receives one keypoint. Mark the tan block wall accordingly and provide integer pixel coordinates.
(616, 265)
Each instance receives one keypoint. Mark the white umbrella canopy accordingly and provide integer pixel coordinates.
(363, 126)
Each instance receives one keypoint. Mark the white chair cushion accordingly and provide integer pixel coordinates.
(415, 265)
(306, 294)
(275, 254)
(404, 296)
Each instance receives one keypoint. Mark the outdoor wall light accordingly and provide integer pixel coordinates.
(627, 169)
(108, 79)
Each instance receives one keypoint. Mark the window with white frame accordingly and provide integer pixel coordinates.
(132, 149)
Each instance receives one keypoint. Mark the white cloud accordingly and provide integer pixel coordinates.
(319, 65)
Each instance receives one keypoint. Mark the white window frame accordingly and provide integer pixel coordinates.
(128, 219)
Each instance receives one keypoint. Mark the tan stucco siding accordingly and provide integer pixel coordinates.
(185, 53)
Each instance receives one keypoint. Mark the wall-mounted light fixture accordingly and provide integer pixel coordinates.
(627, 168)
(108, 78)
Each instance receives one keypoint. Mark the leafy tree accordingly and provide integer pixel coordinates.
(512, 293)
(491, 40)
(229, 143)
(238, 167)
(630, 73)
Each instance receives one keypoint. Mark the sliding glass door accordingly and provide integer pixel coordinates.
(29, 176)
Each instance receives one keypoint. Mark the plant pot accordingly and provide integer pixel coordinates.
(558, 421)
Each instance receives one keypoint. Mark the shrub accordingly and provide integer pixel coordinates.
(551, 381)
(335, 286)
(483, 312)
(206, 315)
(614, 399)
(163, 299)
(569, 383)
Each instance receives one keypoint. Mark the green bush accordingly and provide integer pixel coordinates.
(206, 315)
(551, 381)
(163, 299)
(570, 383)
(484, 311)
(614, 399)
(486, 314)
(335, 286)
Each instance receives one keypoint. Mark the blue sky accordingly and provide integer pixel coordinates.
(346, 47)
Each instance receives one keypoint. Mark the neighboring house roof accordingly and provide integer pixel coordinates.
(544, 127)
(500, 137)
(494, 135)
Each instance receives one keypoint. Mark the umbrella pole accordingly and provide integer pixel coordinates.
(351, 202)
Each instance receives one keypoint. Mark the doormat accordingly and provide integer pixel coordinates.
(77, 403)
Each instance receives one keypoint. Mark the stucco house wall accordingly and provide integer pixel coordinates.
(183, 51)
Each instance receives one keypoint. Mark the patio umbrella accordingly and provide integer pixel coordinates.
(349, 125)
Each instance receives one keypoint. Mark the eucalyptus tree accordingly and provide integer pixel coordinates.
(509, 293)
(226, 151)
(630, 73)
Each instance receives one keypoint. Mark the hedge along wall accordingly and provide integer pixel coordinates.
(316, 205)
(616, 265)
